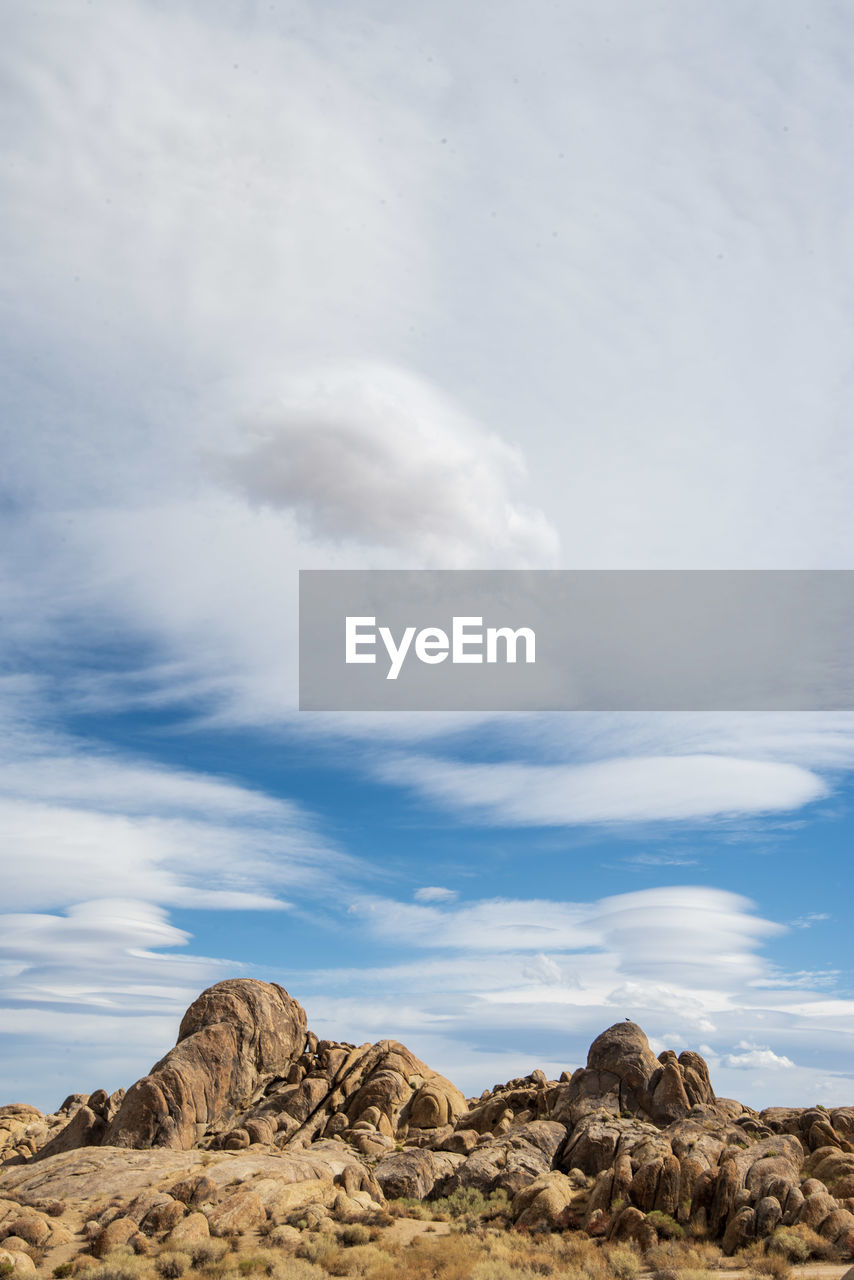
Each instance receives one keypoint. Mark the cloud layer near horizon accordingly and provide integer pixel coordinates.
(685, 962)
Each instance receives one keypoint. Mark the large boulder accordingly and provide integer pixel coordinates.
(236, 1037)
(412, 1174)
(544, 1202)
(624, 1078)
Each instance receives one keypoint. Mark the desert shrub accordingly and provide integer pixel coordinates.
(366, 1260)
(469, 1202)
(406, 1207)
(207, 1253)
(354, 1233)
(772, 1264)
(318, 1247)
(697, 1227)
(799, 1244)
(119, 1265)
(171, 1266)
(448, 1257)
(683, 1255)
(582, 1256)
(624, 1261)
(298, 1269)
(668, 1228)
(261, 1263)
(62, 1270)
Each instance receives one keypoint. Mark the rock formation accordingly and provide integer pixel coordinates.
(625, 1147)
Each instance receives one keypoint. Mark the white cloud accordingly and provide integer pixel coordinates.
(756, 1056)
(632, 789)
(240, 184)
(434, 893)
(686, 963)
(807, 921)
(495, 925)
(126, 786)
(377, 456)
(95, 846)
(542, 969)
(662, 859)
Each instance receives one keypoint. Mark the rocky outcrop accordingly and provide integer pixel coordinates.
(623, 1077)
(232, 1041)
(245, 1071)
(625, 1147)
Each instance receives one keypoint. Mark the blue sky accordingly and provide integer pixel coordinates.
(288, 286)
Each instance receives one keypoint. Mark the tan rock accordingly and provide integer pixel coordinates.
(838, 1226)
(623, 1051)
(283, 1236)
(631, 1224)
(667, 1192)
(727, 1185)
(84, 1129)
(116, 1233)
(355, 1178)
(189, 1231)
(21, 1263)
(262, 1129)
(237, 1214)
(141, 1205)
(543, 1202)
(413, 1173)
(510, 1161)
(28, 1227)
(460, 1141)
(768, 1214)
(601, 1198)
(233, 1037)
(669, 1099)
(196, 1190)
(695, 1074)
(163, 1217)
(644, 1185)
(815, 1209)
(740, 1230)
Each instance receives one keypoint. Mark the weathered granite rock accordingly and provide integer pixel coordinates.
(510, 1161)
(189, 1231)
(237, 1214)
(238, 1035)
(544, 1202)
(414, 1173)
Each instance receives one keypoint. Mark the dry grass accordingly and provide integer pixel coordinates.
(474, 1243)
(682, 1256)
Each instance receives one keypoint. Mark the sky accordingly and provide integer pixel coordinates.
(295, 285)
